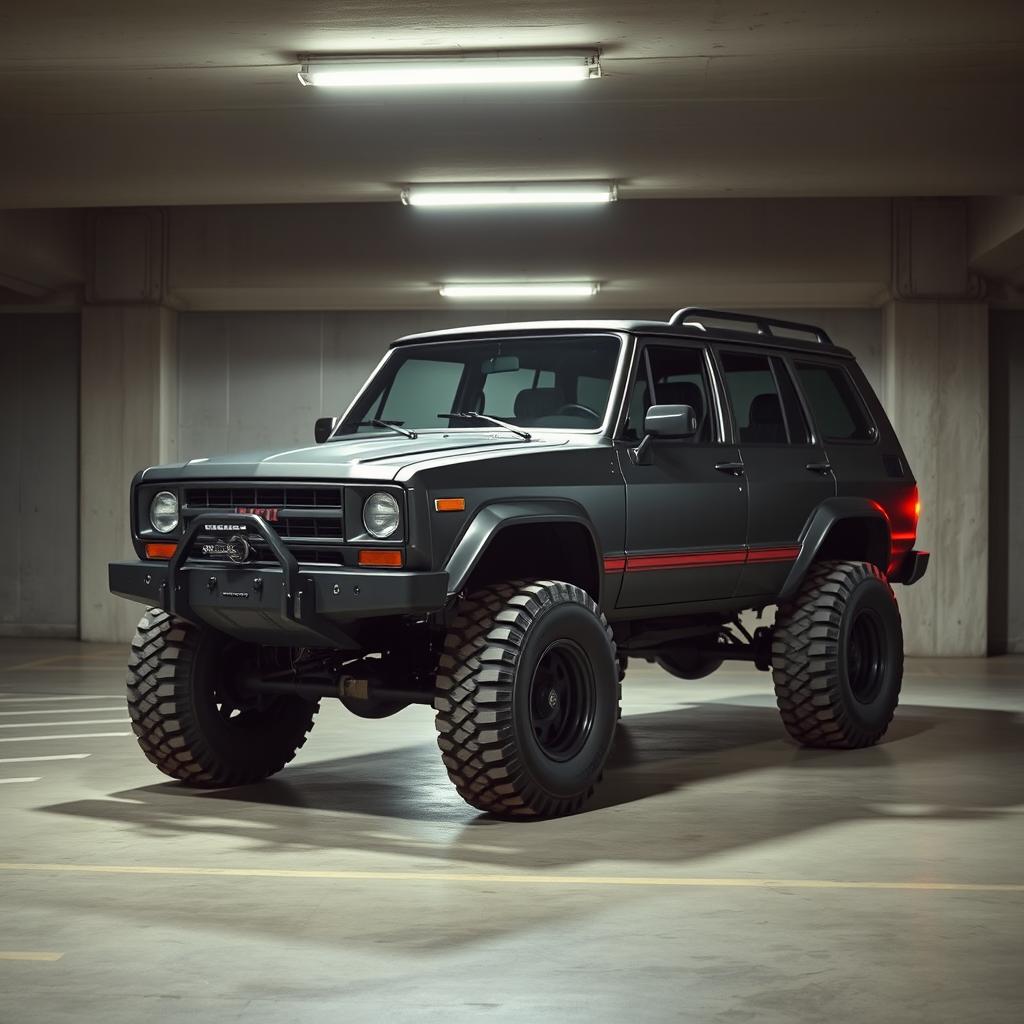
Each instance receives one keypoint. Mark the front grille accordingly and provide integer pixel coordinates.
(304, 515)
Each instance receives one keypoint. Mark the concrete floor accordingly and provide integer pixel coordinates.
(723, 875)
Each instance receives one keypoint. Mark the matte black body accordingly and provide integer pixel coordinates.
(683, 531)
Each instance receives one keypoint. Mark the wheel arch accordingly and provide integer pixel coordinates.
(842, 528)
(543, 538)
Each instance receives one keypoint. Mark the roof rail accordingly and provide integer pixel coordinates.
(764, 324)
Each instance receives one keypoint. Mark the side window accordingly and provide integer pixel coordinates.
(838, 411)
(756, 404)
(672, 376)
(796, 421)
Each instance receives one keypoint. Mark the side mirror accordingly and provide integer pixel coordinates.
(324, 428)
(670, 421)
(665, 421)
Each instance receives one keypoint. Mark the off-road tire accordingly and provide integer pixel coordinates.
(174, 673)
(826, 695)
(491, 670)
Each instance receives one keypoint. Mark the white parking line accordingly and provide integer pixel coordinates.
(70, 736)
(60, 711)
(50, 725)
(43, 757)
(9, 699)
(4, 782)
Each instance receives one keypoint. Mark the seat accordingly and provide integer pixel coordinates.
(534, 404)
(766, 425)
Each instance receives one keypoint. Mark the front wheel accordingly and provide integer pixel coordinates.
(527, 699)
(837, 657)
(191, 714)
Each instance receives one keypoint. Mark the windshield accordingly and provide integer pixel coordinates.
(559, 382)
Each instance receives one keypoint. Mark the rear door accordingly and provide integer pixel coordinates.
(686, 509)
(786, 469)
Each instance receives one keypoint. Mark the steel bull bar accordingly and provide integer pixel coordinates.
(279, 603)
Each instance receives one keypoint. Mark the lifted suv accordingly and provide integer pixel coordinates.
(500, 521)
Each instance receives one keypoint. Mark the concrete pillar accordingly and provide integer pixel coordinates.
(936, 384)
(128, 422)
(129, 411)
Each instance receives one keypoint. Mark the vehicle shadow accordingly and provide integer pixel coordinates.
(680, 784)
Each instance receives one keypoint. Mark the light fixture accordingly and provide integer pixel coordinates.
(448, 69)
(521, 193)
(522, 290)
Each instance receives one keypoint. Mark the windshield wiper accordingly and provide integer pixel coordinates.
(490, 419)
(389, 426)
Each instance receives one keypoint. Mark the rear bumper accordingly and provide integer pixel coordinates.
(912, 567)
(280, 603)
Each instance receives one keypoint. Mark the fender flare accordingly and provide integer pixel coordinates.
(490, 520)
(830, 512)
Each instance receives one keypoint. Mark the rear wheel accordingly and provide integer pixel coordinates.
(527, 699)
(191, 714)
(837, 657)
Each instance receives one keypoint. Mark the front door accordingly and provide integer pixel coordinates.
(786, 469)
(686, 507)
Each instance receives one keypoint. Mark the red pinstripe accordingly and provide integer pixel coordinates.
(692, 559)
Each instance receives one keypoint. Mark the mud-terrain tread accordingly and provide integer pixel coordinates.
(805, 653)
(161, 660)
(474, 698)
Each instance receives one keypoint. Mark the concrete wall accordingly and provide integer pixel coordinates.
(256, 380)
(129, 401)
(1006, 515)
(39, 474)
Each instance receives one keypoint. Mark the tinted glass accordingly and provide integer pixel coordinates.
(796, 421)
(756, 404)
(835, 405)
(678, 377)
(556, 382)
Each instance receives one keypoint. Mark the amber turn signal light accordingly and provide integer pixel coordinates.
(449, 504)
(162, 551)
(381, 559)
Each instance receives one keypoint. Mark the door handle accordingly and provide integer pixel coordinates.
(818, 467)
(732, 468)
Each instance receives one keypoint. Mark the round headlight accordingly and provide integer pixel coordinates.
(163, 512)
(380, 515)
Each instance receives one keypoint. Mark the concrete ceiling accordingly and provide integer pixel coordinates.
(192, 102)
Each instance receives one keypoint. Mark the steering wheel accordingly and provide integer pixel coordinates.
(574, 409)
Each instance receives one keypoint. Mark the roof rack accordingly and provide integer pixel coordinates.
(764, 324)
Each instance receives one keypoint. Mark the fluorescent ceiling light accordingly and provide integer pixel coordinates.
(522, 290)
(530, 193)
(473, 69)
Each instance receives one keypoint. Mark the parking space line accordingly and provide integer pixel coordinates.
(8, 698)
(43, 757)
(566, 881)
(60, 711)
(5, 782)
(50, 725)
(71, 736)
(44, 957)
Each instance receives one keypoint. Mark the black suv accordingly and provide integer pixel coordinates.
(502, 519)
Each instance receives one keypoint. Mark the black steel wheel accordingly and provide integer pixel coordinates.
(837, 657)
(192, 715)
(527, 699)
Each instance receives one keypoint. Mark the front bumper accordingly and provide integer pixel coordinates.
(280, 604)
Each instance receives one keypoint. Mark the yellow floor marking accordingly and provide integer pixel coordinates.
(49, 957)
(511, 879)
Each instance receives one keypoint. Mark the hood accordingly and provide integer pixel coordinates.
(368, 457)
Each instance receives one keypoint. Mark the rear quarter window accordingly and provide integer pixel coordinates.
(836, 406)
